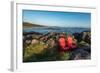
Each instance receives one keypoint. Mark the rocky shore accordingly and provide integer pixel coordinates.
(44, 47)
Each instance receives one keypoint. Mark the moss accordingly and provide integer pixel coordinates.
(64, 55)
(34, 49)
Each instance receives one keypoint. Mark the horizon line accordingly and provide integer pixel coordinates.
(55, 26)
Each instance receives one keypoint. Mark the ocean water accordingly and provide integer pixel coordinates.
(55, 29)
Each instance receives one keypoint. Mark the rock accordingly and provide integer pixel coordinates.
(86, 36)
(77, 36)
(28, 33)
(51, 42)
(27, 42)
(83, 36)
(34, 41)
(79, 54)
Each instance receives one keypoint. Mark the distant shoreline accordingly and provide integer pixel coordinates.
(31, 25)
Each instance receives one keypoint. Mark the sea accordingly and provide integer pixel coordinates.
(45, 30)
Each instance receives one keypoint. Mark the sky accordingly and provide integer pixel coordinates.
(55, 18)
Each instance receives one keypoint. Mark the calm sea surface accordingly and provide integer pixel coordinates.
(55, 29)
